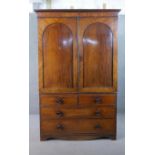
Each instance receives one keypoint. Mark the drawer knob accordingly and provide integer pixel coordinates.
(59, 113)
(59, 100)
(98, 126)
(98, 100)
(97, 113)
(60, 127)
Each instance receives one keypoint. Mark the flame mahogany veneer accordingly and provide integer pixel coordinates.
(77, 73)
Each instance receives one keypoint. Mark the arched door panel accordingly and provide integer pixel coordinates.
(58, 55)
(96, 56)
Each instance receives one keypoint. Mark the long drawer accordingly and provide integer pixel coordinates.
(60, 127)
(92, 112)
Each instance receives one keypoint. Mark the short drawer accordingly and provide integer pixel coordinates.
(58, 100)
(97, 126)
(62, 113)
(97, 99)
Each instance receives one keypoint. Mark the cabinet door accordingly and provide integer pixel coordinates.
(57, 55)
(98, 54)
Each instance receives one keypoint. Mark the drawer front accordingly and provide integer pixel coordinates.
(97, 99)
(58, 127)
(61, 113)
(58, 100)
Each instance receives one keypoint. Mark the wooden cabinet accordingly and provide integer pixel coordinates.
(77, 73)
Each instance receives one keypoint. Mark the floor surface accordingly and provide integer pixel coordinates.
(64, 147)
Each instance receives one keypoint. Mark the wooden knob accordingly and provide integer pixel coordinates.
(98, 126)
(98, 100)
(60, 127)
(59, 100)
(97, 113)
(59, 113)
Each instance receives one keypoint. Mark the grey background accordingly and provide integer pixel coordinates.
(33, 65)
